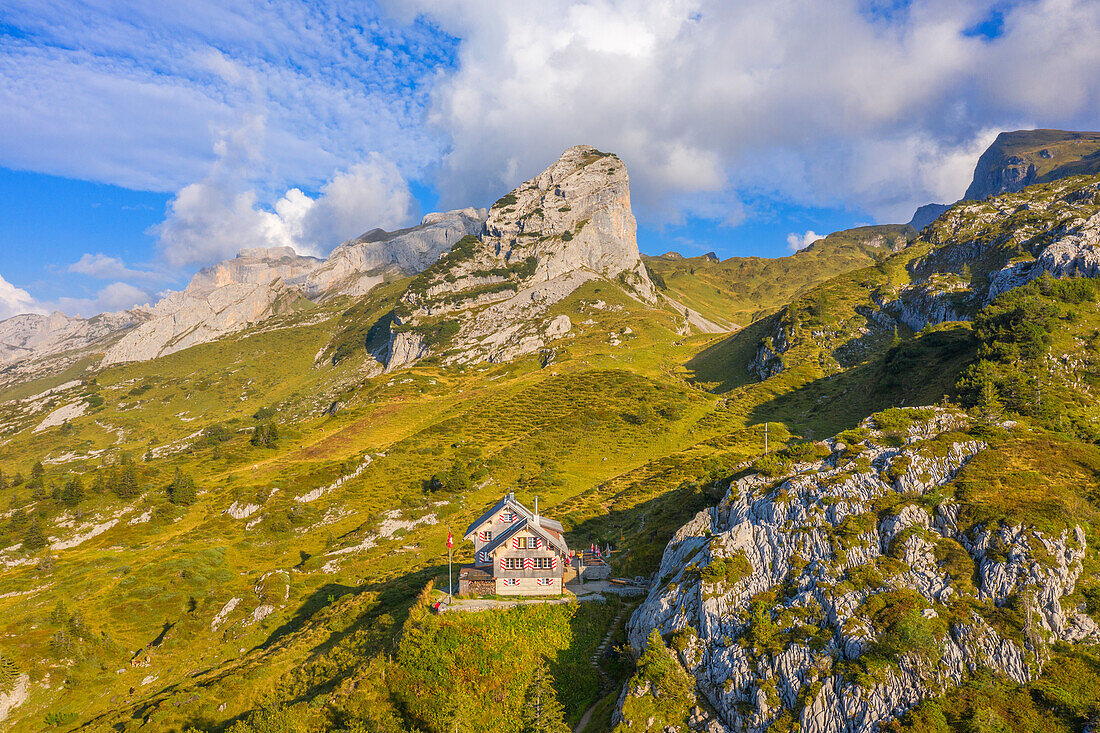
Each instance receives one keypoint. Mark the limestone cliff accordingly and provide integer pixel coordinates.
(840, 592)
(220, 300)
(488, 298)
(1024, 157)
(359, 264)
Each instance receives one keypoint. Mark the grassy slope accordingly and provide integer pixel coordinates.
(623, 442)
(601, 411)
(740, 290)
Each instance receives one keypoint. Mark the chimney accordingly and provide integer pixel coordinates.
(536, 509)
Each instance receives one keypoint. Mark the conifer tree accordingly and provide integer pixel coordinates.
(265, 435)
(73, 492)
(542, 712)
(124, 481)
(989, 404)
(35, 538)
(182, 489)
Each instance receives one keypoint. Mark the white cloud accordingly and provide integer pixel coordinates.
(816, 103)
(114, 297)
(14, 301)
(796, 241)
(140, 94)
(210, 220)
(106, 267)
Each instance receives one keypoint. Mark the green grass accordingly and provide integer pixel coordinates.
(741, 290)
(623, 442)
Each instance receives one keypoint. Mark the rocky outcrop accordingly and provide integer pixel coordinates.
(936, 300)
(490, 298)
(1018, 159)
(1076, 253)
(359, 264)
(32, 335)
(768, 359)
(925, 215)
(841, 593)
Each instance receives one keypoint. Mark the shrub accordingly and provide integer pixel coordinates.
(728, 569)
(182, 489)
(265, 435)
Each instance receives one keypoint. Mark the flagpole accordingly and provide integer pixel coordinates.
(450, 581)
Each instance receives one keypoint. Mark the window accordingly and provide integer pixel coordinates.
(511, 563)
(485, 535)
(545, 563)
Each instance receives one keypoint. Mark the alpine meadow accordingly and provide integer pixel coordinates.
(497, 467)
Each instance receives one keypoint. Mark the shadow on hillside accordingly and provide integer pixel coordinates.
(723, 366)
(918, 371)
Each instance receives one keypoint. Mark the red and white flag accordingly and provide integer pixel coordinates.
(450, 540)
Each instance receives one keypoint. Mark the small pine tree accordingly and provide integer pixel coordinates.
(128, 481)
(182, 489)
(989, 406)
(3, 481)
(38, 470)
(35, 538)
(542, 711)
(73, 492)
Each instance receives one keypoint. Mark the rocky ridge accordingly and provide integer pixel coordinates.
(489, 298)
(962, 261)
(234, 294)
(839, 594)
(1021, 158)
(29, 335)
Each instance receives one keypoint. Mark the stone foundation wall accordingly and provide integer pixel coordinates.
(476, 587)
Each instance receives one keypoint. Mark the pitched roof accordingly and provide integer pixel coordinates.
(508, 500)
(529, 525)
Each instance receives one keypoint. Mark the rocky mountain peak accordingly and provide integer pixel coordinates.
(541, 241)
(1020, 158)
(255, 266)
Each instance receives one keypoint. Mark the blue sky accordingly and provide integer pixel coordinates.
(145, 140)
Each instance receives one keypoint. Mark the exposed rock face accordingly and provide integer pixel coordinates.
(219, 300)
(32, 335)
(1018, 159)
(777, 598)
(359, 264)
(925, 215)
(489, 299)
(258, 266)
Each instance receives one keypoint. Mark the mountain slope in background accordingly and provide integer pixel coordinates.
(1024, 157)
(740, 290)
